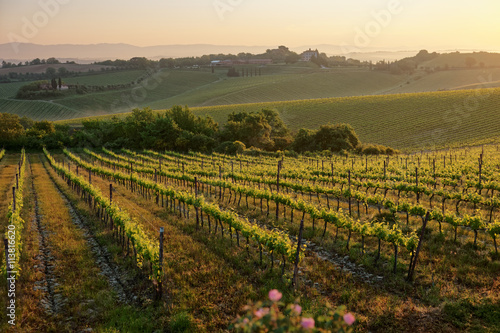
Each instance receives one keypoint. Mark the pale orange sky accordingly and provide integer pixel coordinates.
(384, 24)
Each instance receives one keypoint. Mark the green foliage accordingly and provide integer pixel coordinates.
(39, 90)
(181, 322)
(16, 222)
(10, 128)
(373, 149)
(263, 130)
(231, 148)
(329, 137)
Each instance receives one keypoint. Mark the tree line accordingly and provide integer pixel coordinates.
(178, 129)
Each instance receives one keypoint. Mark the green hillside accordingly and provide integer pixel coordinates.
(404, 121)
(283, 87)
(39, 110)
(120, 77)
(9, 90)
(449, 80)
(457, 59)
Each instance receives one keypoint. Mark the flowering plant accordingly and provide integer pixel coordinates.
(274, 316)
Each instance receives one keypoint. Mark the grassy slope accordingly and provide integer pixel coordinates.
(39, 110)
(415, 120)
(120, 77)
(450, 80)
(403, 121)
(160, 86)
(458, 59)
(283, 87)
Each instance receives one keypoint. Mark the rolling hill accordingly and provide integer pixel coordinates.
(424, 109)
(411, 121)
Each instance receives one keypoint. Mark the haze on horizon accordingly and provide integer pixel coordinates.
(361, 24)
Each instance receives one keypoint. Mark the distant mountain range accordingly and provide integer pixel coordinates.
(16, 52)
(88, 53)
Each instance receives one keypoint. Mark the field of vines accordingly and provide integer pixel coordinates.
(39, 110)
(145, 241)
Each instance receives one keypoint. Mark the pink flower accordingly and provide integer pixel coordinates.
(349, 319)
(275, 295)
(261, 312)
(307, 323)
(296, 308)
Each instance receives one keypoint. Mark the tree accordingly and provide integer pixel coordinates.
(51, 72)
(52, 61)
(329, 137)
(470, 62)
(26, 122)
(292, 58)
(264, 130)
(10, 128)
(62, 71)
(59, 83)
(41, 129)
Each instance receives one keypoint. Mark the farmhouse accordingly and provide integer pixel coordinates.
(307, 55)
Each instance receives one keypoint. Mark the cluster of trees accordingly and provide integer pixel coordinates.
(406, 65)
(410, 64)
(179, 129)
(49, 74)
(16, 132)
(282, 54)
(36, 61)
(40, 90)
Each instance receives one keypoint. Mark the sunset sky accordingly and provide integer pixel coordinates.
(411, 24)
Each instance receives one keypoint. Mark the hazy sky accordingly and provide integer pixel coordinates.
(384, 24)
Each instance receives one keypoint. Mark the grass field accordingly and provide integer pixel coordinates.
(121, 77)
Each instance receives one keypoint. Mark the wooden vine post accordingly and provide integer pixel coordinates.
(297, 256)
(416, 182)
(349, 184)
(278, 188)
(196, 207)
(110, 193)
(160, 264)
(13, 199)
(6, 244)
(480, 171)
(413, 263)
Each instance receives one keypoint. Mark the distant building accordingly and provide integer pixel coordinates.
(307, 55)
